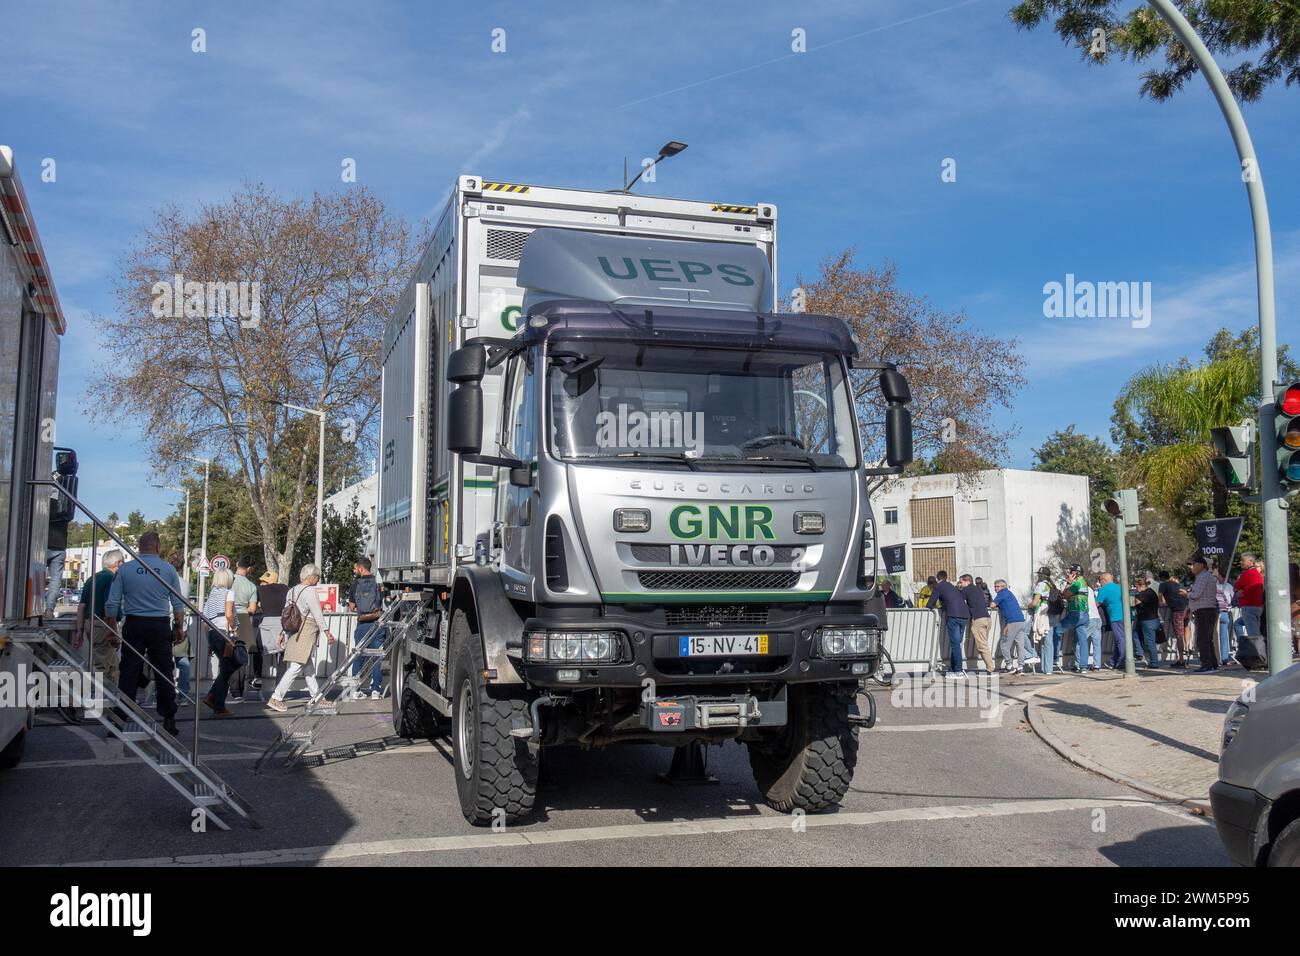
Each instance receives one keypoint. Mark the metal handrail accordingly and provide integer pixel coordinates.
(143, 659)
(194, 608)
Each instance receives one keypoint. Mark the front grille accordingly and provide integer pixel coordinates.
(505, 244)
(716, 615)
(717, 580)
(660, 553)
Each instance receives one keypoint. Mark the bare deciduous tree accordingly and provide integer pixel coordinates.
(202, 361)
(959, 376)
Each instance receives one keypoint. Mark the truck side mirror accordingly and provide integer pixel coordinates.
(893, 386)
(468, 363)
(898, 435)
(466, 367)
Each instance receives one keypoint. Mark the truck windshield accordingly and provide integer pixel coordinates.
(626, 401)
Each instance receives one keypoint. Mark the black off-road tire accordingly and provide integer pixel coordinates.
(809, 765)
(1285, 850)
(496, 773)
(12, 755)
(412, 717)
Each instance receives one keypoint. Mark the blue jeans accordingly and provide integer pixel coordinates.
(1150, 640)
(1250, 617)
(1225, 635)
(183, 679)
(364, 638)
(1055, 639)
(956, 639)
(1119, 658)
(1083, 636)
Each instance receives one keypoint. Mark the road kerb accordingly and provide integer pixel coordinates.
(1070, 754)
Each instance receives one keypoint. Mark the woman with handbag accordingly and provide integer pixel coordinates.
(303, 623)
(220, 607)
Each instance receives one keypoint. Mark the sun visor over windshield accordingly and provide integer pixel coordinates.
(568, 264)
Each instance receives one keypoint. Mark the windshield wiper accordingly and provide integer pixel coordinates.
(644, 456)
(791, 459)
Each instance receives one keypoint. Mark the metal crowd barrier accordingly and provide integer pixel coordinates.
(912, 638)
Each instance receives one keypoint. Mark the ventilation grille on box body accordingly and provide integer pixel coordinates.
(505, 244)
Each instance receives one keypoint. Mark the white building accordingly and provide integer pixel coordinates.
(1001, 525)
(363, 496)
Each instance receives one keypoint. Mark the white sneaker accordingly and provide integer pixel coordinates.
(360, 695)
(1031, 660)
(955, 675)
(376, 695)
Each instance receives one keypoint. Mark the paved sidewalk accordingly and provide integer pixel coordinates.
(1159, 733)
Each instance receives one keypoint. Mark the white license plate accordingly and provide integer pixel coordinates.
(722, 645)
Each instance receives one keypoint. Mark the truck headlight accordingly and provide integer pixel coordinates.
(563, 647)
(848, 641)
(1233, 720)
(630, 520)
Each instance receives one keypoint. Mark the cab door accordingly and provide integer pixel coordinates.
(515, 506)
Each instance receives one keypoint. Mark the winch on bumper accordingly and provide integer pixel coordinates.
(690, 712)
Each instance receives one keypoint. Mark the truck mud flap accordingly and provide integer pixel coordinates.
(499, 625)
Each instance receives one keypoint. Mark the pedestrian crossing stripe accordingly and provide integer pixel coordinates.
(506, 187)
(746, 210)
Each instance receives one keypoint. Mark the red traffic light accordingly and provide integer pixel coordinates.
(1291, 400)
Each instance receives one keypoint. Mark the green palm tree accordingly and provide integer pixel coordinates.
(1183, 403)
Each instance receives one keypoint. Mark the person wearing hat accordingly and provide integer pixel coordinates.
(1203, 602)
(270, 603)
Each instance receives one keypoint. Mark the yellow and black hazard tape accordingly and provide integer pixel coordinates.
(746, 210)
(506, 187)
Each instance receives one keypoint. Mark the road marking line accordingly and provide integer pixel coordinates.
(632, 831)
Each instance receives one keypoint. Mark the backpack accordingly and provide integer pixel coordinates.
(291, 616)
(1055, 600)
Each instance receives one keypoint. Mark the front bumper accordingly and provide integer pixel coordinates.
(1241, 817)
(651, 652)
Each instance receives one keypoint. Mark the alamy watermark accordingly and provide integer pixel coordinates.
(67, 689)
(634, 428)
(181, 299)
(1082, 299)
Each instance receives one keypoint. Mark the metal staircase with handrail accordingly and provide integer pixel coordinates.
(143, 735)
(302, 731)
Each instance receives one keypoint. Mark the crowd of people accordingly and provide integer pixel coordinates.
(1201, 619)
(141, 632)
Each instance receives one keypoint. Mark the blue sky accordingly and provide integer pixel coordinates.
(1061, 167)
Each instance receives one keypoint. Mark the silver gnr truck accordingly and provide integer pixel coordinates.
(630, 495)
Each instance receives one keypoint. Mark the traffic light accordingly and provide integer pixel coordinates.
(1234, 456)
(1123, 504)
(1288, 436)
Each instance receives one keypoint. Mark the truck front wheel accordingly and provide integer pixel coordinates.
(809, 764)
(496, 773)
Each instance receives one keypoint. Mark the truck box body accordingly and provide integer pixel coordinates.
(463, 288)
(30, 326)
(31, 323)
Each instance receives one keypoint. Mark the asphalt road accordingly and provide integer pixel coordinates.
(935, 785)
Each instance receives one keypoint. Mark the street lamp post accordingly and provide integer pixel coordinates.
(1272, 501)
(185, 548)
(671, 148)
(320, 474)
(203, 545)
